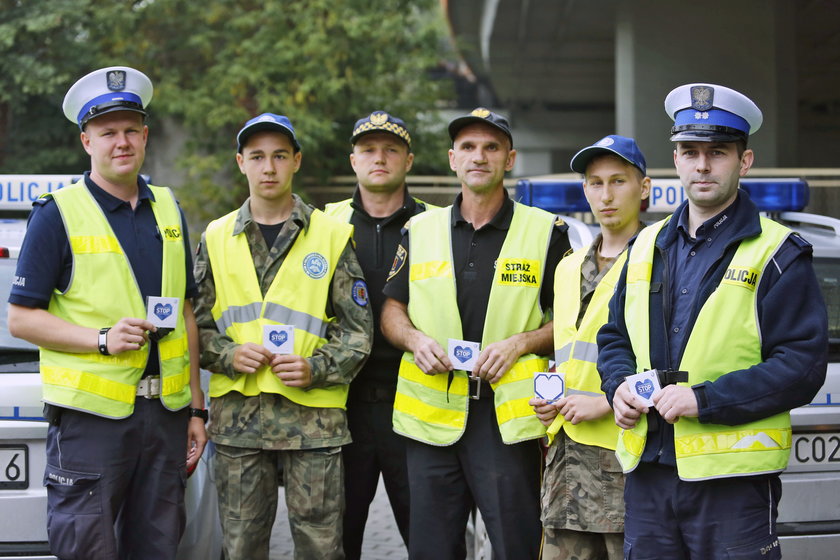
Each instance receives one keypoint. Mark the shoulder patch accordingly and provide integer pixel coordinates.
(360, 293)
(399, 261)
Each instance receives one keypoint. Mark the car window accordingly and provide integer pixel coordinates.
(828, 274)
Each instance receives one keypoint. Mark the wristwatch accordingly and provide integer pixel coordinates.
(199, 413)
(103, 341)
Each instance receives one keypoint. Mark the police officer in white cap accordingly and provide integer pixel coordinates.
(103, 288)
(724, 305)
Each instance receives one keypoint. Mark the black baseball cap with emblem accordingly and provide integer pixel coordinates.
(116, 88)
(481, 115)
(381, 121)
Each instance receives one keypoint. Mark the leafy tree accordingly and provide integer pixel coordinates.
(323, 63)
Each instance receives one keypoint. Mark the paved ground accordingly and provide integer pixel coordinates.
(382, 540)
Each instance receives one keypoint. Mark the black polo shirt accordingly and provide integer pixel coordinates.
(474, 254)
(376, 243)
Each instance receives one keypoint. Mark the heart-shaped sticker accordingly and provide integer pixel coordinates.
(163, 311)
(463, 354)
(549, 386)
(278, 338)
(644, 388)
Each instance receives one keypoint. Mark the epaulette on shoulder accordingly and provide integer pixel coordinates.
(800, 241)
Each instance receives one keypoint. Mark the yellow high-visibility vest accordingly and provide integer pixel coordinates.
(297, 296)
(342, 210)
(427, 407)
(714, 348)
(103, 289)
(576, 349)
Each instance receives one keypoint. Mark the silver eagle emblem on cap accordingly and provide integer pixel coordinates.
(702, 98)
(115, 80)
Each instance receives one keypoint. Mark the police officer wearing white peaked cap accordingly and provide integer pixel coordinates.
(117, 88)
(121, 410)
(738, 334)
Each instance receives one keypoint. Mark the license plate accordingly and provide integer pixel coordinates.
(815, 452)
(14, 467)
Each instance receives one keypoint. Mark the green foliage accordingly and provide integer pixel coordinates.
(214, 64)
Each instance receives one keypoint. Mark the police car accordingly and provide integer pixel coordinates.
(23, 430)
(809, 512)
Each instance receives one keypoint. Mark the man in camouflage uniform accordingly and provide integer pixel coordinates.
(272, 411)
(583, 486)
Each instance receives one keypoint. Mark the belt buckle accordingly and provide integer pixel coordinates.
(149, 387)
(474, 381)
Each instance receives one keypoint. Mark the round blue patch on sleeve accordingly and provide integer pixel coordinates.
(360, 293)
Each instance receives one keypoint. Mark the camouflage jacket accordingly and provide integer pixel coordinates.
(270, 421)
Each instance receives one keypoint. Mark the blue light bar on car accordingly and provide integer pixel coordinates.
(777, 195)
(770, 195)
(559, 197)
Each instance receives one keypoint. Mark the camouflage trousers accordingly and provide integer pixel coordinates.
(247, 481)
(565, 544)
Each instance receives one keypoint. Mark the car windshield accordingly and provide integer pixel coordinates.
(7, 341)
(828, 274)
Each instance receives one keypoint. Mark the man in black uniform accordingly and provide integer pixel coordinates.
(452, 279)
(380, 206)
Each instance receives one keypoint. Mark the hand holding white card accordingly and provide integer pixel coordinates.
(549, 386)
(162, 312)
(644, 385)
(279, 339)
(463, 354)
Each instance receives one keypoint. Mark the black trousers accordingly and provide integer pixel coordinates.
(375, 450)
(503, 481)
(115, 488)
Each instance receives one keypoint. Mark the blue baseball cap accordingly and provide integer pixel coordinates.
(621, 146)
(481, 115)
(266, 121)
(711, 113)
(380, 121)
(116, 88)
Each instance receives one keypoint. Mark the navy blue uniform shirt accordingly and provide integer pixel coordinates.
(46, 262)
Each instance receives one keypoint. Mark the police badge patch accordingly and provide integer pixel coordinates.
(115, 80)
(315, 265)
(702, 98)
(360, 293)
(399, 261)
(481, 112)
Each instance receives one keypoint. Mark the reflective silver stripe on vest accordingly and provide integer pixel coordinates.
(579, 392)
(562, 356)
(300, 320)
(586, 351)
(238, 314)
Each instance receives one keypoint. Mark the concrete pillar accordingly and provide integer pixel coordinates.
(749, 47)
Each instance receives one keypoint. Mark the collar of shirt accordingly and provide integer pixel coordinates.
(300, 215)
(709, 230)
(110, 202)
(407, 209)
(500, 221)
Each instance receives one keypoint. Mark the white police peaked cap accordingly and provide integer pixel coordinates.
(711, 113)
(116, 88)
